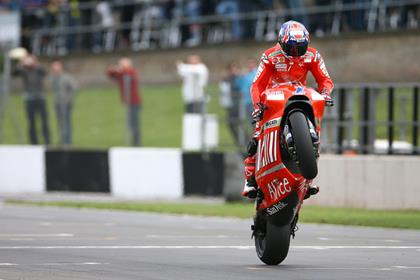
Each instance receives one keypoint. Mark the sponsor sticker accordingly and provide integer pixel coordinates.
(299, 91)
(324, 68)
(259, 71)
(281, 67)
(275, 208)
(276, 95)
(272, 123)
(278, 59)
(278, 188)
(317, 96)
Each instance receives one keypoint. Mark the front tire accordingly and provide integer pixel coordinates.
(305, 152)
(273, 246)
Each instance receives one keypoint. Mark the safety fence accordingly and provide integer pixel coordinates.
(150, 27)
(373, 119)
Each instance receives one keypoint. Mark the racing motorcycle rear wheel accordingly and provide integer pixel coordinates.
(272, 246)
(305, 153)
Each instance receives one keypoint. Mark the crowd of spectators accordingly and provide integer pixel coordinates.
(143, 24)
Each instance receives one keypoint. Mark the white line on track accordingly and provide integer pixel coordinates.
(340, 268)
(245, 247)
(36, 235)
(364, 239)
(188, 236)
(53, 264)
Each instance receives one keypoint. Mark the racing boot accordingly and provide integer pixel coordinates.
(250, 186)
(311, 189)
(249, 191)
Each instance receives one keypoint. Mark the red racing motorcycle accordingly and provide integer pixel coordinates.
(286, 158)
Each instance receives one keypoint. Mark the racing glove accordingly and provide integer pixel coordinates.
(329, 102)
(258, 112)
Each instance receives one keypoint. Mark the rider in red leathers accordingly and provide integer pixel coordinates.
(288, 61)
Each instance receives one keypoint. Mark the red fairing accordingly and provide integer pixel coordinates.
(273, 178)
(275, 68)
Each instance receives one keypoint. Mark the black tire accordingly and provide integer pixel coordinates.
(304, 147)
(272, 248)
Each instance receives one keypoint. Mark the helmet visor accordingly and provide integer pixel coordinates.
(295, 49)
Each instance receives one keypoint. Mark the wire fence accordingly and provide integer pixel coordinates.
(373, 119)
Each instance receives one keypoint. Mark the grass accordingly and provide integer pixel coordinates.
(405, 219)
(99, 118)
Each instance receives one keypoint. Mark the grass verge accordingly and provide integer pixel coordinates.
(406, 219)
(99, 118)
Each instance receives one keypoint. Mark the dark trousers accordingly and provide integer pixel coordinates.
(34, 108)
(64, 122)
(234, 123)
(133, 123)
(194, 107)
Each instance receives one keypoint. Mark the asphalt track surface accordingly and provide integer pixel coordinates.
(53, 243)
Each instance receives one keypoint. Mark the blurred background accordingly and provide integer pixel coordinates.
(86, 76)
(370, 48)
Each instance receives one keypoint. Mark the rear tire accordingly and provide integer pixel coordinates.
(272, 247)
(304, 147)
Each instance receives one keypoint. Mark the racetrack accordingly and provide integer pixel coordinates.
(53, 243)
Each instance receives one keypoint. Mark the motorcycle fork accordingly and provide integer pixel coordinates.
(259, 226)
(288, 142)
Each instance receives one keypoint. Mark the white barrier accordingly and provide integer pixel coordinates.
(22, 169)
(376, 182)
(146, 173)
(193, 138)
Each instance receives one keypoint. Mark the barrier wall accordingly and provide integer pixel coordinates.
(146, 173)
(22, 169)
(376, 182)
(77, 170)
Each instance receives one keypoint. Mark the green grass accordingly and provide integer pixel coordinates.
(99, 118)
(406, 219)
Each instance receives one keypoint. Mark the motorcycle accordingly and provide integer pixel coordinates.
(286, 159)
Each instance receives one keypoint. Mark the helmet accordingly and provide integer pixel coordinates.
(293, 38)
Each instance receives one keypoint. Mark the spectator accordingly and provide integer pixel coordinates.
(230, 99)
(245, 86)
(195, 77)
(33, 75)
(127, 77)
(74, 20)
(104, 38)
(192, 10)
(230, 9)
(64, 87)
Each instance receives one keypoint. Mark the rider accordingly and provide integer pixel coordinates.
(288, 61)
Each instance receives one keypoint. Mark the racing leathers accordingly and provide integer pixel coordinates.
(275, 68)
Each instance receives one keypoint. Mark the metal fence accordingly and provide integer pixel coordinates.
(149, 29)
(373, 119)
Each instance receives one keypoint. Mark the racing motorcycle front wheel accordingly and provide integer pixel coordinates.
(305, 153)
(272, 246)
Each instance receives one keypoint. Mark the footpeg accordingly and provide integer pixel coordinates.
(313, 190)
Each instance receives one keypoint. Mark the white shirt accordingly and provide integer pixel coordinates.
(104, 10)
(195, 79)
